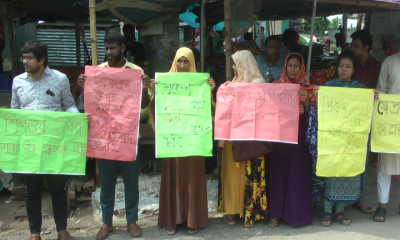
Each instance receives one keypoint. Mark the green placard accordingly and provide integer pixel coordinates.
(43, 142)
(183, 115)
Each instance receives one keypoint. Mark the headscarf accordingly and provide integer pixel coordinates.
(301, 76)
(247, 68)
(300, 79)
(187, 53)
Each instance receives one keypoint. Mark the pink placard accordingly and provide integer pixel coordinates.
(257, 111)
(113, 97)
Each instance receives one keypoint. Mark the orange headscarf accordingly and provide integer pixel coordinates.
(300, 79)
(301, 76)
(187, 53)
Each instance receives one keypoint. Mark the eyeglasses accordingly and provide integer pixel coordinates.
(27, 58)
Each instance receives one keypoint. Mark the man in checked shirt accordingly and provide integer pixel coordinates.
(368, 69)
(41, 88)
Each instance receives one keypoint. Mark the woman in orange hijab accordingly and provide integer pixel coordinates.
(290, 166)
(183, 192)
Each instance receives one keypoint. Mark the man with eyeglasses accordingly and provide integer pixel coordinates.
(41, 88)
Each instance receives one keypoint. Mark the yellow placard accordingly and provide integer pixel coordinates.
(385, 132)
(344, 120)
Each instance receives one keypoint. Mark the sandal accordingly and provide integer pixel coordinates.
(230, 219)
(248, 225)
(192, 231)
(380, 212)
(171, 232)
(342, 219)
(326, 220)
(273, 223)
(362, 206)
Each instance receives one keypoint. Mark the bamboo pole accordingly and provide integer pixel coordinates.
(359, 21)
(228, 40)
(367, 24)
(11, 36)
(345, 24)
(93, 35)
(78, 47)
(202, 35)
(311, 40)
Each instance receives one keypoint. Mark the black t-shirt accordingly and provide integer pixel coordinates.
(137, 51)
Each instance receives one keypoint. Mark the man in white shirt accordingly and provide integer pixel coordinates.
(42, 88)
(389, 164)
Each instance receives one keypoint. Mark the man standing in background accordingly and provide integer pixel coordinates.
(367, 72)
(136, 49)
(263, 36)
(290, 42)
(368, 69)
(327, 41)
(271, 66)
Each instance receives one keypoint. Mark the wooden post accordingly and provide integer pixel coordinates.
(202, 35)
(345, 17)
(228, 40)
(11, 36)
(93, 34)
(78, 47)
(367, 24)
(359, 21)
(311, 40)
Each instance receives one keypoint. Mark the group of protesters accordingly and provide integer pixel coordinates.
(279, 186)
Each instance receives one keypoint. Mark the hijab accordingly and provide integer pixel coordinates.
(300, 79)
(247, 68)
(187, 53)
(301, 76)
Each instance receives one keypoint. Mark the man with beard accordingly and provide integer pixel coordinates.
(108, 169)
(290, 42)
(271, 66)
(41, 88)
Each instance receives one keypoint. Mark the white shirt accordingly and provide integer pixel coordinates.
(389, 83)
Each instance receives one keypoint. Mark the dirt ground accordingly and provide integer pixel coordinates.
(82, 225)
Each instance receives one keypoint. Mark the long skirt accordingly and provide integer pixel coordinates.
(290, 180)
(242, 187)
(183, 194)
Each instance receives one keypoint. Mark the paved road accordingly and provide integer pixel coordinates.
(362, 226)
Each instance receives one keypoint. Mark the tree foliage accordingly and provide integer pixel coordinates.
(336, 22)
(321, 23)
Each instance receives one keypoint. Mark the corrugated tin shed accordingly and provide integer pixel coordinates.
(62, 45)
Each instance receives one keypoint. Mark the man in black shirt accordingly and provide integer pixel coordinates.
(136, 49)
